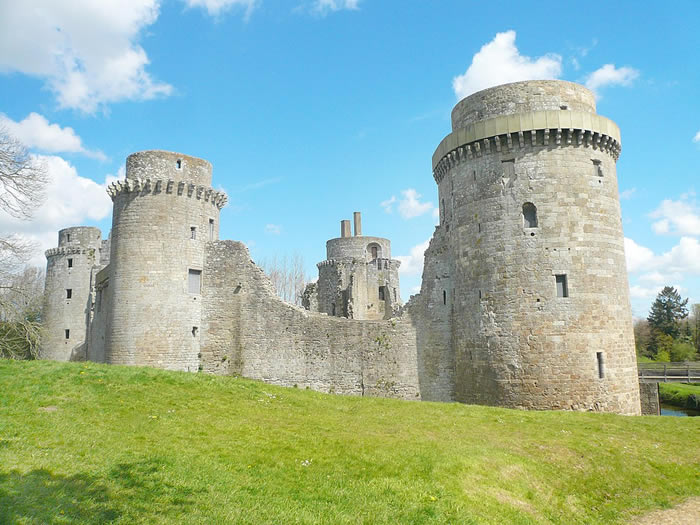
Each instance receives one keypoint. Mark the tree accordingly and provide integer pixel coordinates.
(666, 312)
(642, 337)
(23, 182)
(287, 276)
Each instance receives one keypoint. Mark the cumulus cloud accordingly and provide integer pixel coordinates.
(273, 229)
(609, 75)
(412, 264)
(696, 138)
(71, 200)
(500, 62)
(638, 257)
(680, 217)
(409, 205)
(36, 132)
(86, 52)
(215, 7)
(324, 6)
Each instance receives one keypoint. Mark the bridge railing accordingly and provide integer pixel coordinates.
(686, 372)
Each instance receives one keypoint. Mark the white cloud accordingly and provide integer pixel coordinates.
(696, 138)
(680, 217)
(87, 52)
(324, 6)
(215, 7)
(500, 62)
(388, 204)
(638, 257)
(71, 200)
(273, 229)
(609, 75)
(627, 194)
(413, 264)
(36, 132)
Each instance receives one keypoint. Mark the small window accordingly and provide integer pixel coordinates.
(67, 331)
(211, 229)
(195, 331)
(333, 309)
(193, 232)
(374, 252)
(562, 286)
(601, 365)
(529, 215)
(67, 237)
(444, 297)
(179, 164)
(70, 263)
(69, 293)
(597, 168)
(194, 284)
(381, 293)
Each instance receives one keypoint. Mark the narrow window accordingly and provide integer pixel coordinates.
(67, 237)
(179, 164)
(69, 293)
(70, 263)
(529, 215)
(195, 329)
(444, 297)
(195, 281)
(374, 252)
(562, 287)
(67, 333)
(601, 365)
(597, 168)
(333, 308)
(479, 227)
(479, 294)
(193, 232)
(395, 295)
(381, 293)
(211, 229)
(474, 174)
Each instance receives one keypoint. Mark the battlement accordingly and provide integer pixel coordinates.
(168, 186)
(537, 128)
(68, 250)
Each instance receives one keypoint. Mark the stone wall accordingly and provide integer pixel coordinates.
(649, 395)
(249, 331)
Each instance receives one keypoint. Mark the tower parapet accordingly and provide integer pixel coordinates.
(68, 292)
(530, 214)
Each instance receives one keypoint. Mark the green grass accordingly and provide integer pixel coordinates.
(680, 395)
(88, 443)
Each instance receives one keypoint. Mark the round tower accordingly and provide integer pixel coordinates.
(358, 279)
(67, 294)
(529, 207)
(165, 212)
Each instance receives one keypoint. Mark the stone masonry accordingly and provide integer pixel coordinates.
(524, 300)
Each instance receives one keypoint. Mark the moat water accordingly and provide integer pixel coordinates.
(670, 410)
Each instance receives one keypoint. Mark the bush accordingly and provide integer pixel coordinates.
(681, 351)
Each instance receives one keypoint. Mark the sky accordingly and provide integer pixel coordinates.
(312, 109)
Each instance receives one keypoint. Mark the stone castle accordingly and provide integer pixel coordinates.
(524, 299)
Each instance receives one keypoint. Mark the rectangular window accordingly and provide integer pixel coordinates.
(211, 229)
(67, 333)
(562, 286)
(67, 237)
(70, 263)
(601, 364)
(381, 293)
(193, 232)
(194, 283)
(69, 293)
(597, 168)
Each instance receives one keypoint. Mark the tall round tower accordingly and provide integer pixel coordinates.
(165, 212)
(67, 294)
(529, 206)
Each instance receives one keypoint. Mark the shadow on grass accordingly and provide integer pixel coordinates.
(130, 491)
(40, 496)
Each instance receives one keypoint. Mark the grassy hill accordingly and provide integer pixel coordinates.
(88, 443)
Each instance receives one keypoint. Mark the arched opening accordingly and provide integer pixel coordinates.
(529, 215)
(374, 251)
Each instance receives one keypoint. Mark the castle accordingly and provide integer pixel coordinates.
(524, 299)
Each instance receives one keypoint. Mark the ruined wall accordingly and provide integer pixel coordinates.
(248, 330)
(69, 267)
(165, 213)
(516, 342)
(649, 395)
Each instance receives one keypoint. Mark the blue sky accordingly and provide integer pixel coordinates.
(312, 109)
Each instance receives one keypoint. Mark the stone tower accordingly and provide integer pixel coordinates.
(165, 213)
(67, 295)
(529, 214)
(358, 279)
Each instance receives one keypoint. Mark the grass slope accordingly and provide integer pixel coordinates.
(88, 443)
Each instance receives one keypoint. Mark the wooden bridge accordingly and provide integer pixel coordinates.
(688, 372)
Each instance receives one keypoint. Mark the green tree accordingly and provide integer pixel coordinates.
(667, 311)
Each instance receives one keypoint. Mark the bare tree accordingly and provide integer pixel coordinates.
(23, 182)
(287, 276)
